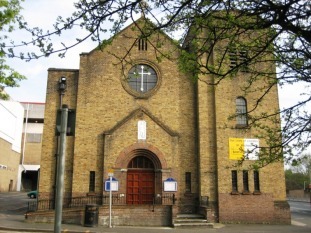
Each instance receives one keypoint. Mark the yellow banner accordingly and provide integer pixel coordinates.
(236, 148)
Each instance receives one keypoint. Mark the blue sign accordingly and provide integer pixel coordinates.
(114, 184)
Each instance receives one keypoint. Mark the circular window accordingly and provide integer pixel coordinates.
(142, 79)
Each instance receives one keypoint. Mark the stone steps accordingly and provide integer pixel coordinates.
(191, 220)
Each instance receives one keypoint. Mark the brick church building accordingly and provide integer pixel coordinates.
(168, 141)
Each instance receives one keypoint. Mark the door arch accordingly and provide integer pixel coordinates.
(140, 181)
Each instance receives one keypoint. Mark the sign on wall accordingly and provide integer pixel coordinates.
(142, 130)
(170, 185)
(247, 148)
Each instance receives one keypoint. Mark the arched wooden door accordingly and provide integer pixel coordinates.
(140, 181)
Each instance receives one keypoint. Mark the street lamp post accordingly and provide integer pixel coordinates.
(60, 170)
(60, 156)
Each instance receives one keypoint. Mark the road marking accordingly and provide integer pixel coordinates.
(304, 209)
(296, 223)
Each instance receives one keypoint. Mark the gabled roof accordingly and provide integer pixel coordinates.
(142, 19)
(136, 112)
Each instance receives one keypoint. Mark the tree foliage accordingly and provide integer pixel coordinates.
(283, 37)
(9, 13)
(299, 175)
(303, 165)
(296, 180)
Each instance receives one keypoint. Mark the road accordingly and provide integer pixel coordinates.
(301, 213)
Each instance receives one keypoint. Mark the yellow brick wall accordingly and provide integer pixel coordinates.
(185, 123)
(102, 103)
(9, 158)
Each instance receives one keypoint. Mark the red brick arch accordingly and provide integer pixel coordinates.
(150, 151)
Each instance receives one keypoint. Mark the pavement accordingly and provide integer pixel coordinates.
(17, 223)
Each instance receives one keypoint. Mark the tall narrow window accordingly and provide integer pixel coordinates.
(92, 181)
(188, 182)
(256, 182)
(234, 178)
(241, 112)
(245, 182)
(142, 44)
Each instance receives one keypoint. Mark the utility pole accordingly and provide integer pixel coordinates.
(60, 170)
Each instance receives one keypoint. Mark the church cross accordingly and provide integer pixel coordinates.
(142, 78)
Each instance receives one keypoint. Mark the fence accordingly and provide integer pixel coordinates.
(117, 199)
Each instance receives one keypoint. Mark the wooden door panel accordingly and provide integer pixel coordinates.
(140, 187)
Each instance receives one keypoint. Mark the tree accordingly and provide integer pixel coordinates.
(303, 166)
(295, 180)
(283, 37)
(299, 175)
(9, 13)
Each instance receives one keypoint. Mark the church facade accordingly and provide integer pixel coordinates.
(161, 136)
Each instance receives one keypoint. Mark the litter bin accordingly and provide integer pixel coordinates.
(91, 216)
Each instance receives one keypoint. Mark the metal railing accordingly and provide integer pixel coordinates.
(117, 199)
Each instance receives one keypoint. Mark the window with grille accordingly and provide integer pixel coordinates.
(234, 178)
(188, 182)
(92, 181)
(241, 111)
(141, 162)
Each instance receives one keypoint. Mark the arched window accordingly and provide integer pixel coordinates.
(141, 162)
(241, 111)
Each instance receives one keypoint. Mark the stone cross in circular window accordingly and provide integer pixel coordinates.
(142, 78)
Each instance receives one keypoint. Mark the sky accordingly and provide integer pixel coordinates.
(43, 13)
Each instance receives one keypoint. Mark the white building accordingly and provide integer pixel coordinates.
(11, 126)
(28, 172)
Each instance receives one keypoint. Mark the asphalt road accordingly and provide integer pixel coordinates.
(14, 204)
(301, 213)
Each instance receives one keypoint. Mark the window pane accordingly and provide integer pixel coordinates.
(142, 78)
(256, 181)
(141, 162)
(92, 181)
(188, 181)
(241, 111)
(234, 177)
(245, 181)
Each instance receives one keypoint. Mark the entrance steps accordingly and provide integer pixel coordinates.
(191, 220)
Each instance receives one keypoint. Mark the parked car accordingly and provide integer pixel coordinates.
(32, 194)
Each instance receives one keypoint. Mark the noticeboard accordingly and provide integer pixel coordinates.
(170, 185)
